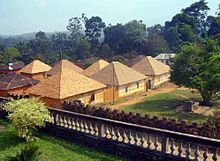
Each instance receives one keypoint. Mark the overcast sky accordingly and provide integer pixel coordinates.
(23, 16)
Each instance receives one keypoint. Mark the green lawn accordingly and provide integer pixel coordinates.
(164, 104)
(52, 149)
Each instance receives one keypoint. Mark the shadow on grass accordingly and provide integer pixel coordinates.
(59, 145)
(8, 139)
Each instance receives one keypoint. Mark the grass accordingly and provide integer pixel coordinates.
(52, 149)
(164, 104)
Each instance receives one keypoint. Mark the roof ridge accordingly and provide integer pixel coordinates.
(150, 64)
(10, 83)
(114, 73)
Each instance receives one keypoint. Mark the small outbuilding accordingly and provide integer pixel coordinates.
(157, 72)
(121, 81)
(35, 70)
(68, 85)
(62, 65)
(166, 58)
(95, 67)
(15, 84)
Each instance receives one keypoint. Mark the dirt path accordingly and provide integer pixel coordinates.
(168, 87)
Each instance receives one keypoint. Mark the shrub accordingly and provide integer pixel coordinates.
(29, 153)
(27, 115)
(214, 121)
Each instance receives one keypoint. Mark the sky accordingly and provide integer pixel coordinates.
(24, 16)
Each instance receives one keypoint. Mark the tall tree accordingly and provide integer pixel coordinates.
(42, 47)
(60, 43)
(197, 67)
(94, 29)
(26, 53)
(114, 37)
(135, 35)
(198, 11)
(76, 26)
(182, 28)
(156, 43)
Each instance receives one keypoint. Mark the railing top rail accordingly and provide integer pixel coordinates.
(168, 133)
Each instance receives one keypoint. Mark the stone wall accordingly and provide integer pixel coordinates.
(163, 123)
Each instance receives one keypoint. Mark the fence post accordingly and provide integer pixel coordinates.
(55, 122)
(165, 143)
(100, 130)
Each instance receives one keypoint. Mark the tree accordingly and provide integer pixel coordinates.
(218, 10)
(9, 55)
(27, 115)
(104, 51)
(156, 43)
(94, 29)
(83, 48)
(198, 11)
(182, 28)
(26, 53)
(197, 67)
(60, 43)
(214, 25)
(135, 35)
(41, 47)
(114, 37)
(76, 25)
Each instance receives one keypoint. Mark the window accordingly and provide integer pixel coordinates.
(138, 85)
(93, 97)
(126, 89)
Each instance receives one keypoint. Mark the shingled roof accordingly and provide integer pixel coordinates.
(65, 84)
(95, 67)
(64, 64)
(11, 66)
(35, 67)
(150, 66)
(12, 81)
(122, 74)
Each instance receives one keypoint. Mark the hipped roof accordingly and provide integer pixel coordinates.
(62, 65)
(12, 81)
(35, 67)
(150, 66)
(65, 84)
(95, 67)
(122, 74)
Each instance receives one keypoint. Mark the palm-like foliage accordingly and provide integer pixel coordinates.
(29, 153)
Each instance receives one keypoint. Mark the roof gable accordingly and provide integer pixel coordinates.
(64, 64)
(95, 67)
(151, 66)
(35, 67)
(121, 73)
(12, 81)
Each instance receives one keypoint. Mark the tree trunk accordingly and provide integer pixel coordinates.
(206, 98)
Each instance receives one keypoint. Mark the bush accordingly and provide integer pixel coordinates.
(29, 153)
(214, 121)
(27, 115)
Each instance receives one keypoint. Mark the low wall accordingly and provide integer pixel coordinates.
(129, 140)
(163, 123)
